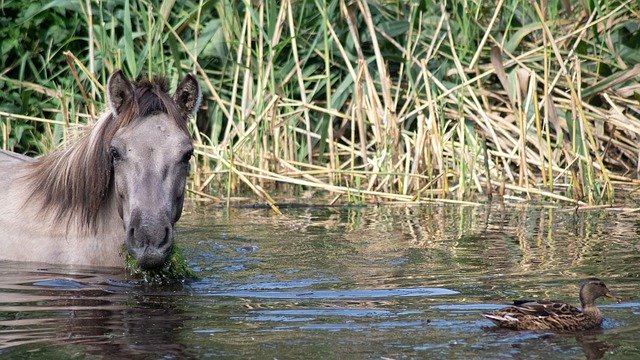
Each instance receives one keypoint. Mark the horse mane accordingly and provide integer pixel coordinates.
(74, 183)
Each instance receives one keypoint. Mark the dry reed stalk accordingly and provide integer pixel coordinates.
(258, 173)
(578, 102)
(92, 66)
(203, 74)
(476, 56)
(328, 89)
(236, 76)
(298, 68)
(204, 195)
(256, 189)
(31, 118)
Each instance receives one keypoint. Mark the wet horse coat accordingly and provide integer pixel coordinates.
(122, 182)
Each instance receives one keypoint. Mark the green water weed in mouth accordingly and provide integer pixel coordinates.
(175, 269)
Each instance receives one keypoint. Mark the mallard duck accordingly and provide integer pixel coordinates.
(554, 315)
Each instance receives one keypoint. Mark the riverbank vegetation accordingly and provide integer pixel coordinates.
(409, 101)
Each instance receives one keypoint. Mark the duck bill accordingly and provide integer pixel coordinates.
(613, 296)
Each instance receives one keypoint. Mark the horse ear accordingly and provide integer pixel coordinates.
(188, 95)
(119, 91)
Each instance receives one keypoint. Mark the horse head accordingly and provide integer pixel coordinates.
(150, 151)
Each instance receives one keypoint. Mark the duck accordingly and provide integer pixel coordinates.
(555, 315)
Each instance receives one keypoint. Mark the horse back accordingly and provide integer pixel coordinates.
(8, 156)
(11, 164)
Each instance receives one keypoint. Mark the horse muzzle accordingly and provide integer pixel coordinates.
(149, 240)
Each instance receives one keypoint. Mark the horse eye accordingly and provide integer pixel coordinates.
(187, 156)
(115, 155)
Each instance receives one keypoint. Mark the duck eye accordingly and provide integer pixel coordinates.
(115, 154)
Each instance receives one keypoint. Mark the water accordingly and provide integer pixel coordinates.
(375, 282)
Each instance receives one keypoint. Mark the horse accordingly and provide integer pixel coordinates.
(121, 182)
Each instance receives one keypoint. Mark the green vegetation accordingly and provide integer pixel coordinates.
(380, 101)
(176, 268)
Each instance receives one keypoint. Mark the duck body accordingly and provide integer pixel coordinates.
(554, 315)
(545, 315)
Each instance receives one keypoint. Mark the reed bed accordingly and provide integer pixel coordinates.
(452, 101)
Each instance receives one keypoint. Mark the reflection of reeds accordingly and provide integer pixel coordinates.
(371, 101)
(457, 240)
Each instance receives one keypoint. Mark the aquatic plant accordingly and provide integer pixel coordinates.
(176, 268)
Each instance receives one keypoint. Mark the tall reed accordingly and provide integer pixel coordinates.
(369, 101)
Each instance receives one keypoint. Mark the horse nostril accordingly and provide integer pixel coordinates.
(131, 236)
(166, 238)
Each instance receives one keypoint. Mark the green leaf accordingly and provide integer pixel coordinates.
(395, 28)
(210, 41)
(517, 37)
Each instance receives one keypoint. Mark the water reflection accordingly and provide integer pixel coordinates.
(492, 239)
(340, 282)
(118, 318)
(593, 347)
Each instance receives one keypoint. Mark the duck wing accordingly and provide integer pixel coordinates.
(545, 308)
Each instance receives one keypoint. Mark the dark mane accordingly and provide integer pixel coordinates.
(74, 183)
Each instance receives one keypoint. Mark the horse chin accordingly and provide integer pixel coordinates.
(152, 259)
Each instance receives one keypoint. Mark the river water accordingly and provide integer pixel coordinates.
(340, 282)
